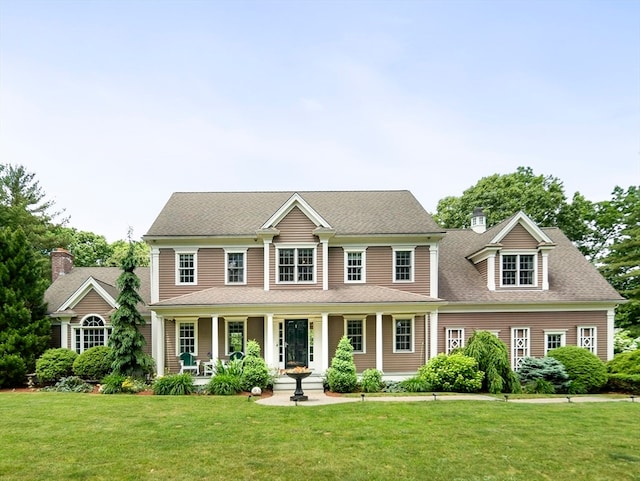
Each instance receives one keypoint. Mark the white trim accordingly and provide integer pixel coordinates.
(395, 320)
(296, 200)
(518, 253)
(195, 334)
(185, 251)
(295, 247)
(379, 336)
(244, 252)
(83, 290)
(155, 274)
(433, 269)
(545, 270)
(325, 341)
(78, 346)
(215, 349)
(551, 332)
(611, 314)
(412, 250)
(266, 263)
(325, 264)
(515, 348)
(594, 338)
(448, 340)
(433, 324)
(363, 320)
(363, 267)
(227, 344)
(526, 222)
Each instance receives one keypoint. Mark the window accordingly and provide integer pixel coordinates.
(91, 333)
(236, 267)
(587, 338)
(403, 335)
(186, 337)
(455, 339)
(235, 336)
(354, 265)
(296, 265)
(519, 346)
(402, 265)
(355, 331)
(518, 270)
(311, 338)
(186, 267)
(553, 340)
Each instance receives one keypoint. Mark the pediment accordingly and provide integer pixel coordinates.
(529, 225)
(296, 200)
(91, 284)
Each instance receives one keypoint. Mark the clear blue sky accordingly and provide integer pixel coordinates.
(116, 104)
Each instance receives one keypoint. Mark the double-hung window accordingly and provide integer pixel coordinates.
(296, 265)
(186, 267)
(355, 332)
(553, 340)
(587, 338)
(403, 334)
(235, 335)
(236, 267)
(403, 264)
(518, 269)
(354, 265)
(186, 337)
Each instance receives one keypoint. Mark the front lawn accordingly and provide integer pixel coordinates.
(100, 437)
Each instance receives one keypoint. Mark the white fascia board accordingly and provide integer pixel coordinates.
(82, 291)
(526, 307)
(527, 223)
(296, 201)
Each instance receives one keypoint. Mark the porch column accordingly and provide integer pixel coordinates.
(64, 335)
(433, 318)
(157, 346)
(379, 345)
(268, 344)
(325, 341)
(215, 350)
(427, 344)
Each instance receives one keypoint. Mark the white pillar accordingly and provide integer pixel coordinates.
(64, 335)
(433, 270)
(491, 272)
(433, 316)
(215, 350)
(379, 340)
(266, 263)
(611, 314)
(545, 270)
(157, 336)
(325, 341)
(155, 274)
(269, 345)
(325, 264)
(427, 343)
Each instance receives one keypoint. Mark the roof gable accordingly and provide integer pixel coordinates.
(525, 221)
(81, 292)
(294, 201)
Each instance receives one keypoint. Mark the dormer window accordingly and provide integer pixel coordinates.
(518, 270)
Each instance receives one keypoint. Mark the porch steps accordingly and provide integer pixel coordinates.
(285, 383)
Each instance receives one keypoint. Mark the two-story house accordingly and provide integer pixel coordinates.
(298, 270)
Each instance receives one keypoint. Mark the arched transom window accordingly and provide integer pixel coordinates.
(92, 332)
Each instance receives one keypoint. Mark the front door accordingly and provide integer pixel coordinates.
(296, 336)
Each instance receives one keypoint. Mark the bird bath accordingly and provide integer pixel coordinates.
(298, 374)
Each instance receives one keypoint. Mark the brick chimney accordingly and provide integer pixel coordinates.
(61, 263)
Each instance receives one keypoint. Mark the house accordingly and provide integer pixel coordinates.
(298, 270)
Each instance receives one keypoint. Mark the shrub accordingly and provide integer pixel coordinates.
(13, 370)
(493, 359)
(627, 383)
(112, 383)
(224, 384)
(55, 364)
(70, 384)
(625, 363)
(539, 386)
(174, 385)
(341, 376)
(586, 371)
(413, 384)
(546, 369)
(371, 380)
(255, 372)
(454, 373)
(94, 363)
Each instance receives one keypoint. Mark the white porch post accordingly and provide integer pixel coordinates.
(269, 345)
(433, 317)
(215, 350)
(157, 336)
(379, 340)
(64, 335)
(611, 314)
(427, 343)
(325, 341)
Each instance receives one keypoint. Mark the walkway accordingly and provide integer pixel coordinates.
(319, 398)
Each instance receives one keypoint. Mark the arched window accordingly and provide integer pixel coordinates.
(91, 332)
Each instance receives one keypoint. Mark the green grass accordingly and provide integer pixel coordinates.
(119, 437)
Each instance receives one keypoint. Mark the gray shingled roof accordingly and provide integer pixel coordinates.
(571, 276)
(242, 213)
(256, 295)
(65, 286)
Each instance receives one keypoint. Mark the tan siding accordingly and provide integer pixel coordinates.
(482, 269)
(255, 267)
(336, 267)
(146, 332)
(204, 339)
(403, 362)
(519, 238)
(255, 331)
(536, 321)
(210, 272)
(380, 269)
(368, 359)
(92, 303)
(295, 227)
(56, 334)
(170, 360)
(336, 331)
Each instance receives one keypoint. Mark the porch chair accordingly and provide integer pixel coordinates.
(188, 362)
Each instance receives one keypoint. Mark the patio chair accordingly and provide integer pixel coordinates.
(189, 363)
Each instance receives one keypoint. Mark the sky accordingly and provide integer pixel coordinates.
(114, 105)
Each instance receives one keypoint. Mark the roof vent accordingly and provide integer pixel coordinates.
(478, 221)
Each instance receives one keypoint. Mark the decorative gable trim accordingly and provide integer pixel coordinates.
(296, 200)
(83, 290)
(525, 221)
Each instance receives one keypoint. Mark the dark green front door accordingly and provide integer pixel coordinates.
(296, 336)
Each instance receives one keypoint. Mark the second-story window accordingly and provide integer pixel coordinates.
(518, 269)
(236, 273)
(186, 267)
(296, 265)
(354, 265)
(402, 265)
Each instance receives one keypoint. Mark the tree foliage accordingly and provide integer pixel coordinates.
(93, 250)
(586, 371)
(24, 327)
(126, 340)
(493, 359)
(341, 376)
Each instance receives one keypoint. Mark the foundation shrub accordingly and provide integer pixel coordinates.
(493, 359)
(625, 363)
(414, 384)
(625, 383)
(341, 376)
(587, 373)
(13, 370)
(454, 373)
(255, 372)
(548, 369)
(94, 363)
(224, 384)
(174, 385)
(120, 384)
(371, 380)
(54, 364)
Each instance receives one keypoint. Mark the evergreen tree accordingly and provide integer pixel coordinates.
(24, 328)
(493, 359)
(341, 376)
(126, 340)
